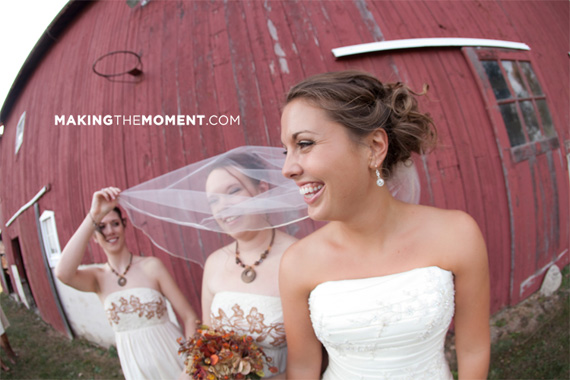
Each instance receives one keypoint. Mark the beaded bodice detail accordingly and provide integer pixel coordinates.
(385, 327)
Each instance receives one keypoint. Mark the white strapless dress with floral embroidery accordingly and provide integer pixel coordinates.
(389, 327)
(146, 338)
(256, 315)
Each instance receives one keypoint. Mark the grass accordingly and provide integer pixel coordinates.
(543, 355)
(530, 340)
(538, 353)
(44, 353)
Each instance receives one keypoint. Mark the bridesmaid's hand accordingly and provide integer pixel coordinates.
(104, 201)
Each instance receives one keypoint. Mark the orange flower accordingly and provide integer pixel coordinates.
(219, 354)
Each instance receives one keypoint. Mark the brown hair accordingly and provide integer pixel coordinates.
(361, 103)
(240, 160)
(117, 210)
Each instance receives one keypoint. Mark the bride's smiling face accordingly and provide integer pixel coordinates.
(225, 187)
(329, 166)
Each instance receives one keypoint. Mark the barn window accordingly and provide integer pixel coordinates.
(20, 132)
(49, 237)
(521, 101)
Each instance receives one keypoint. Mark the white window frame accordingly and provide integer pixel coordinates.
(50, 237)
(20, 133)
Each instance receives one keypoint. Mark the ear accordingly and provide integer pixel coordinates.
(378, 143)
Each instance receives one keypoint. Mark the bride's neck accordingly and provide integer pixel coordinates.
(372, 226)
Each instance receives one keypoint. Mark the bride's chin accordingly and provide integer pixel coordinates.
(318, 214)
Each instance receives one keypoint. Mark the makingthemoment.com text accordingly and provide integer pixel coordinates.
(150, 120)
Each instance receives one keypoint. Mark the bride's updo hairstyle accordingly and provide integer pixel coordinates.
(361, 103)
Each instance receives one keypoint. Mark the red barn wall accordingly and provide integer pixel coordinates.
(238, 59)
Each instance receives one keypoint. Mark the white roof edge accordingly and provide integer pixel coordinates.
(414, 43)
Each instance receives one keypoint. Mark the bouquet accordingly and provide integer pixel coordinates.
(216, 354)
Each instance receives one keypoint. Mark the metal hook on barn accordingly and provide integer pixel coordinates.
(123, 66)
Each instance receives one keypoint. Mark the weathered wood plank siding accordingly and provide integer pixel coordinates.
(238, 58)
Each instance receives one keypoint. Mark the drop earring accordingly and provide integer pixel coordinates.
(379, 180)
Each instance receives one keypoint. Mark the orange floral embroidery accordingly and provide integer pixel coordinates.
(134, 305)
(253, 323)
(255, 320)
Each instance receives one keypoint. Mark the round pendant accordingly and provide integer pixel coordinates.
(122, 281)
(248, 275)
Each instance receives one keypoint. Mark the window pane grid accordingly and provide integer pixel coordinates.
(521, 101)
(531, 79)
(516, 83)
(531, 82)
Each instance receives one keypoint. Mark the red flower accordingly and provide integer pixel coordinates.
(218, 354)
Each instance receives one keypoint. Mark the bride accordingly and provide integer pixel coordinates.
(379, 284)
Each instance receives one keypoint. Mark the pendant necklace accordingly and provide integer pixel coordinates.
(122, 279)
(248, 275)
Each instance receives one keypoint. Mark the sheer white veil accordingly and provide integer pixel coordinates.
(167, 208)
(404, 183)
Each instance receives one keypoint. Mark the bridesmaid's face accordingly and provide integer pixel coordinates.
(111, 233)
(226, 187)
(329, 166)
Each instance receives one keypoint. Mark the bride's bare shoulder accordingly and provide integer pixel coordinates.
(439, 218)
(310, 246)
(453, 234)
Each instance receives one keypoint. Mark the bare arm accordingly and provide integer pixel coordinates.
(207, 295)
(206, 303)
(304, 354)
(172, 292)
(67, 269)
(472, 332)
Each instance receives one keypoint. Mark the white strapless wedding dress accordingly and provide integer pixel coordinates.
(388, 327)
(146, 338)
(256, 315)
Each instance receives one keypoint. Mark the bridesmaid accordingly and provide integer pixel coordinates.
(134, 291)
(240, 289)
